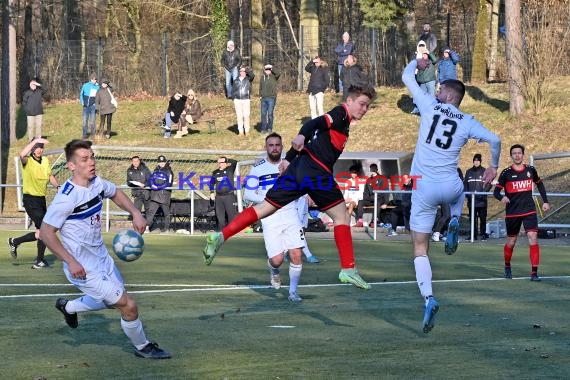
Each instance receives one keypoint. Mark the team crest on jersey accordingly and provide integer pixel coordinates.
(528, 174)
(260, 162)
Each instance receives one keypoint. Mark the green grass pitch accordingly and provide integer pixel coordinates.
(224, 322)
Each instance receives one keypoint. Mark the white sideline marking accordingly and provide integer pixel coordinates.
(214, 288)
(282, 327)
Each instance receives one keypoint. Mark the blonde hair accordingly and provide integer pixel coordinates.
(191, 93)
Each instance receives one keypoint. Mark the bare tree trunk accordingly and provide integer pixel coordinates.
(309, 14)
(12, 71)
(494, 34)
(479, 69)
(27, 67)
(514, 56)
(256, 44)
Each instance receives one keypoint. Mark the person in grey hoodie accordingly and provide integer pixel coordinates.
(106, 104)
(32, 105)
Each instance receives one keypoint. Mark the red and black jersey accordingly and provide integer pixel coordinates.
(517, 185)
(325, 137)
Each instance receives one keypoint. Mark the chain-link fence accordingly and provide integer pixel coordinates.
(170, 62)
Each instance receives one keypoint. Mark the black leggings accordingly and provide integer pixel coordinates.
(109, 118)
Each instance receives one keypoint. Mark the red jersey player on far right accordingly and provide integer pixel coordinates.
(516, 181)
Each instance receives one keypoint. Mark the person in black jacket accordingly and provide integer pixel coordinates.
(160, 179)
(223, 191)
(230, 61)
(474, 182)
(351, 75)
(318, 83)
(176, 106)
(403, 203)
(241, 93)
(137, 178)
(375, 182)
(32, 105)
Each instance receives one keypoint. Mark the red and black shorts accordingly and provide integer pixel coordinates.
(530, 223)
(305, 176)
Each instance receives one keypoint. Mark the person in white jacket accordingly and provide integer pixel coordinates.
(282, 231)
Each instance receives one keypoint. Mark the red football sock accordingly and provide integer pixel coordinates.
(343, 240)
(534, 255)
(241, 221)
(508, 254)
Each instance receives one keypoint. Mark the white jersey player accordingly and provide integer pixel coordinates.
(76, 213)
(282, 231)
(444, 130)
(302, 205)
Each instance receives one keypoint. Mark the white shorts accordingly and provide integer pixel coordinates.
(282, 231)
(427, 196)
(105, 285)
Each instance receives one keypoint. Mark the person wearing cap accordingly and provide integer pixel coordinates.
(36, 175)
(230, 62)
(87, 99)
(32, 105)
(474, 182)
(425, 74)
(268, 94)
(105, 103)
(223, 191)
(318, 83)
(176, 105)
(160, 180)
(241, 93)
(447, 65)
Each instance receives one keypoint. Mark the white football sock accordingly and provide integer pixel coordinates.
(83, 304)
(423, 276)
(306, 250)
(294, 276)
(134, 331)
(271, 268)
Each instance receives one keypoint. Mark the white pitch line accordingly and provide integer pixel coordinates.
(215, 288)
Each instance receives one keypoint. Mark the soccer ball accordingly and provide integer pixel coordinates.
(128, 245)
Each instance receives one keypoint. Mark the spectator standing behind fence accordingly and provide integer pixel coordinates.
(138, 175)
(425, 75)
(268, 94)
(161, 178)
(176, 106)
(352, 75)
(343, 50)
(318, 83)
(106, 104)
(231, 60)
(32, 105)
(447, 66)
(223, 191)
(87, 97)
(429, 38)
(241, 94)
(35, 177)
(474, 182)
